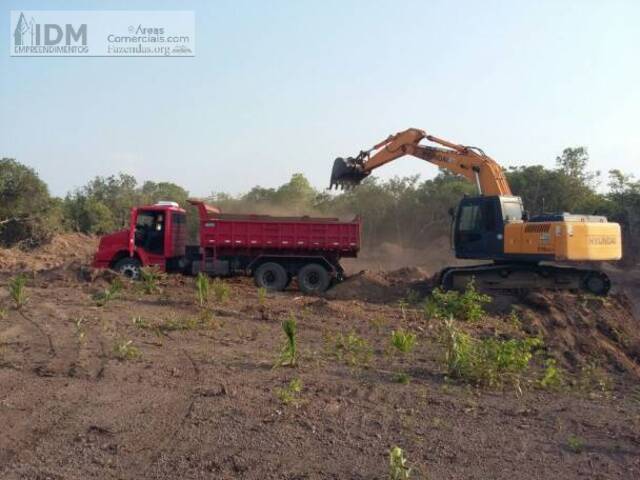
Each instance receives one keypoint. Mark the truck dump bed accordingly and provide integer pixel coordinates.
(266, 232)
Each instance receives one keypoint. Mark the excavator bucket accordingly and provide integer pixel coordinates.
(346, 173)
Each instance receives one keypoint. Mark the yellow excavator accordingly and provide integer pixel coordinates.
(525, 253)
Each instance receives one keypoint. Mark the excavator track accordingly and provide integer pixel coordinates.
(520, 277)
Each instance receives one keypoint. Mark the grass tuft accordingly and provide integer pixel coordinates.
(289, 353)
(17, 291)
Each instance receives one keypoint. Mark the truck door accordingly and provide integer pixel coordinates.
(149, 236)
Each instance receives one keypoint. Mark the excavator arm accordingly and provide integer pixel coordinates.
(469, 162)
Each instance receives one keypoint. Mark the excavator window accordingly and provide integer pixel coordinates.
(471, 219)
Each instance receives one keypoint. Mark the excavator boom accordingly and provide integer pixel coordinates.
(469, 162)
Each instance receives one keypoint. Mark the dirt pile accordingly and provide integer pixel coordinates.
(380, 286)
(582, 331)
(62, 250)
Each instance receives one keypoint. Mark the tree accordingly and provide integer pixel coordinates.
(28, 215)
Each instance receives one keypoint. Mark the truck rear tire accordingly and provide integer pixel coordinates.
(313, 278)
(128, 267)
(271, 276)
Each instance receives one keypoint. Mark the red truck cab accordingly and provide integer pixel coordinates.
(274, 250)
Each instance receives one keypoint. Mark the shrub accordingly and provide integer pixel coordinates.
(221, 290)
(488, 361)
(17, 290)
(202, 288)
(398, 469)
(468, 306)
(352, 349)
(403, 341)
(289, 352)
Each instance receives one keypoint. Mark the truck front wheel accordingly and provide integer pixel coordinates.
(129, 267)
(271, 276)
(313, 278)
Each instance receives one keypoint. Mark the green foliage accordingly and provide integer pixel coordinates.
(109, 293)
(202, 288)
(467, 306)
(575, 443)
(150, 277)
(398, 469)
(221, 290)
(291, 393)
(289, 351)
(125, 350)
(488, 361)
(403, 341)
(552, 377)
(17, 290)
(352, 349)
(28, 215)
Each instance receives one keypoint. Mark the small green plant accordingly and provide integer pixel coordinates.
(289, 352)
(108, 294)
(3, 313)
(221, 290)
(467, 306)
(150, 277)
(125, 350)
(140, 322)
(202, 288)
(352, 349)
(402, 378)
(552, 376)
(514, 319)
(175, 323)
(81, 333)
(378, 323)
(262, 296)
(487, 361)
(575, 443)
(291, 393)
(398, 469)
(594, 379)
(403, 341)
(17, 291)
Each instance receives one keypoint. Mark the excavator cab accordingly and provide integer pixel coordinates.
(479, 225)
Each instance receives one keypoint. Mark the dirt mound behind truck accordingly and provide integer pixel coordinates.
(62, 249)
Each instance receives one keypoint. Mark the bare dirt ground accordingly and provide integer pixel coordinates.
(202, 399)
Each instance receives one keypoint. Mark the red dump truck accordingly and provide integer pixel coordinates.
(274, 250)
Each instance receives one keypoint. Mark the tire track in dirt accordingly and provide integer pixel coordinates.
(165, 446)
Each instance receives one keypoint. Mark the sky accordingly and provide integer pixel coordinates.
(282, 87)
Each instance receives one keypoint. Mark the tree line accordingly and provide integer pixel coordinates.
(408, 211)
